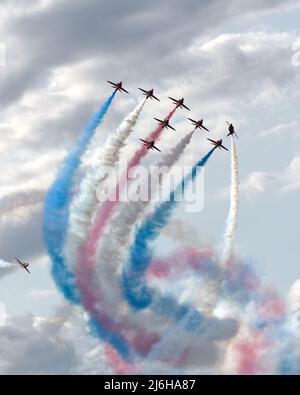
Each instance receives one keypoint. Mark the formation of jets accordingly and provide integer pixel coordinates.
(118, 86)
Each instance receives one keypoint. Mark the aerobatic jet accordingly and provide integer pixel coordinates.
(179, 103)
(231, 130)
(118, 86)
(164, 124)
(218, 144)
(24, 265)
(198, 124)
(150, 144)
(149, 94)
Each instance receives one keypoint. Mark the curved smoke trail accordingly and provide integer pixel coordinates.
(56, 209)
(85, 203)
(116, 239)
(88, 251)
(229, 236)
(135, 289)
(86, 258)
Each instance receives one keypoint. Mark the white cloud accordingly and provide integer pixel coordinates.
(285, 181)
(283, 129)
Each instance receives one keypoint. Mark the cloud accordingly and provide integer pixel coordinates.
(281, 129)
(285, 181)
(58, 344)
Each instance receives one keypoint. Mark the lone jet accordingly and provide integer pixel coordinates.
(231, 131)
(218, 144)
(198, 124)
(149, 94)
(150, 144)
(118, 86)
(164, 124)
(179, 103)
(24, 265)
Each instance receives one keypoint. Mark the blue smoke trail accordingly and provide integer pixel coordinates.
(56, 208)
(135, 289)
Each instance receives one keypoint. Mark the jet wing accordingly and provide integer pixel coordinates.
(156, 148)
(154, 97)
(171, 127)
(174, 100)
(212, 141)
(224, 147)
(112, 83)
(203, 127)
(26, 269)
(144, 141)
(194, 122)
(184, 106)
(143, 90)
(124, 90)
(18, 260)
(158, 120)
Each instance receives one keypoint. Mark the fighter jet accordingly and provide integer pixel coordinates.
(149, 94)
(118, 86)
(150, 144)
(231, 130)
(179, 103)
(24, 265)
(218, 144)
(198, 124)
(164, 124)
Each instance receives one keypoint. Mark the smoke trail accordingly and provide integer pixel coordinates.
(86, 254)
(85, 203)
(56, 209)
(21, 199)
(229, 235)
(116, 239)
(88, 251)
(5, 265)
(134, 286)
(215, 285)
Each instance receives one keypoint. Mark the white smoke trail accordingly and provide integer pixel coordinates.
(214, 286)
(20, 200)
(117, 237)
(5, 265)
(85, 203)
(229, 235)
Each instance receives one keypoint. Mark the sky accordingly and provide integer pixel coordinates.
(233, 60)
